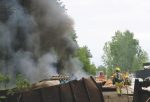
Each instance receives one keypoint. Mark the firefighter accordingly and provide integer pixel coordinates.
(127, 81)
(118, 81)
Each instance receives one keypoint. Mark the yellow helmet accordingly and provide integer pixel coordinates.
(117, 69)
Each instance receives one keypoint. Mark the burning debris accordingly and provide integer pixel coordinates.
(35, 39)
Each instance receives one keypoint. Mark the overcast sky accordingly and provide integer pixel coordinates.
(97, 20)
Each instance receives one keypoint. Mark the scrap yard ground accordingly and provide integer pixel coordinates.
(113, 97)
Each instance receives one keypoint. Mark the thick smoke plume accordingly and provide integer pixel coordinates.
(35, 39)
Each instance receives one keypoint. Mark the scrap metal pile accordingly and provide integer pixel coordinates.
(140, 94)
(84, 90)
(57, 77)
(145, 72)
(51, 81)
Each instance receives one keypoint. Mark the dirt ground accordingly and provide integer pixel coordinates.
(113, 97)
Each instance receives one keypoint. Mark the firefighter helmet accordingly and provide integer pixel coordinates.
(117, 69)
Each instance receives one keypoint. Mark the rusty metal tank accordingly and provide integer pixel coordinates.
(84, 90)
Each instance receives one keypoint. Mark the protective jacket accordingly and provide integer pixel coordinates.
(118, 77)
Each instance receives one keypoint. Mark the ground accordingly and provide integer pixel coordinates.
(113, 97)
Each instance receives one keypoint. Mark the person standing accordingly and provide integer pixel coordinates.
(118, 81)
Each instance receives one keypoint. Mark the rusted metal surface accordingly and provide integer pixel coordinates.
(100, 95)
(141, 95)
(84, 90)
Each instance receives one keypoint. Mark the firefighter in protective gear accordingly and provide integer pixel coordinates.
(118, 81)
(127, 81)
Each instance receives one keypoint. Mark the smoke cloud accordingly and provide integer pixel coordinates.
(35, 39)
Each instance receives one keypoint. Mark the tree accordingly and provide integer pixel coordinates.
(74, 36)
(84, 56)
(125, 51)
(4, 79)
(21, 82)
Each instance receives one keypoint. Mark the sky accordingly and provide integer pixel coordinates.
(96, 21)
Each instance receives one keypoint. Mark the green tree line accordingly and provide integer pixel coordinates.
(124, 51)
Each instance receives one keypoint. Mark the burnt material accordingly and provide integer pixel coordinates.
(143, 73)
(84, 90)
(141, 95)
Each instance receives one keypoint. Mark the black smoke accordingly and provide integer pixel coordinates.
(35, 38)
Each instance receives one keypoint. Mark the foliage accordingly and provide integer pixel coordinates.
(21, 85)
(2, 98)
(84, 56)
(21, 82)
(73, 36)
(125, 52)
(1, 77)
(4, 79)
(101, 68)
(10, 92)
